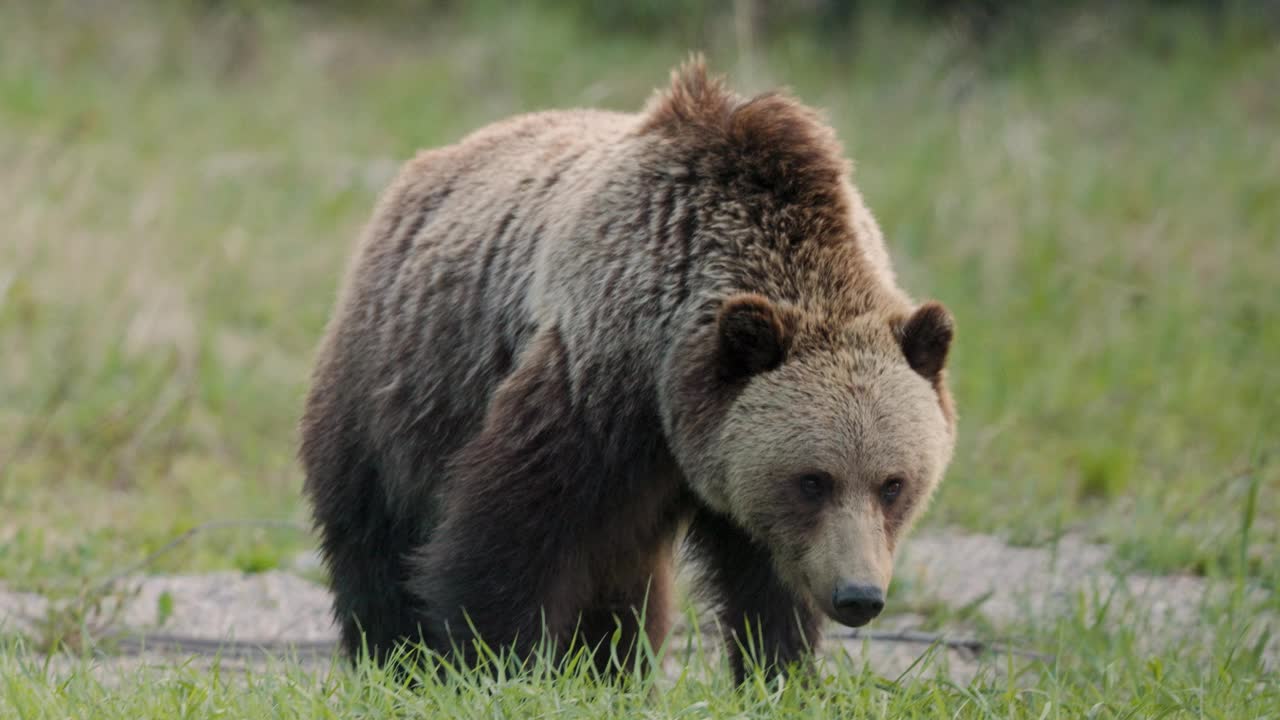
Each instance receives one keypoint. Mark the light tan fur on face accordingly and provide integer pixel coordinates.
(859, 413)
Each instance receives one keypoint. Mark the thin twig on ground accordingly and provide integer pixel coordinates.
(137, 643)
(971, 645)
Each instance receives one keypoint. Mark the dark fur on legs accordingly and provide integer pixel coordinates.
(637, 608)
(739, 574)
(537, 507)
(365, 545)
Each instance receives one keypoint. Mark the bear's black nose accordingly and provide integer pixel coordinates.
(856, 605)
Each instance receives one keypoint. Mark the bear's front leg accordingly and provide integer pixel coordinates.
(759, 614)
(635, 606)
(531, 511)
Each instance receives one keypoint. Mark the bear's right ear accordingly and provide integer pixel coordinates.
(926, 339)
(753, 337)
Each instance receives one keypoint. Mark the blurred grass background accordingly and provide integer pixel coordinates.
(1094, 189)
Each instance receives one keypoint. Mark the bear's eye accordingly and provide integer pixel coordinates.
(890, 490)
(814, 486)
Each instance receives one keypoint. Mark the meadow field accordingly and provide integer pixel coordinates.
(1099, 205)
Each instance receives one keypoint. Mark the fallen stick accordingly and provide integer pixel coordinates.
(971, 645)
(137, 643)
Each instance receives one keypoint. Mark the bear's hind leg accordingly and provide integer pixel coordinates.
(364, 546)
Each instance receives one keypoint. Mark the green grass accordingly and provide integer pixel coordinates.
(179, 193)
(1100, 672)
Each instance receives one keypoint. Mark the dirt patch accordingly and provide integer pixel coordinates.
(20, 612)
(1011, 585)
(251, 618)
(272, 608)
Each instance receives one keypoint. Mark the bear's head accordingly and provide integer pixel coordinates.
(806, 399)
(834, 441)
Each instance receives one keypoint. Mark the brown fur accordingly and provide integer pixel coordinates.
(572, 332)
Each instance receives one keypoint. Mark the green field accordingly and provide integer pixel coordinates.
(179, 190)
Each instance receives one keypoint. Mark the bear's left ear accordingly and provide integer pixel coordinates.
(926, 338)
(754, 337)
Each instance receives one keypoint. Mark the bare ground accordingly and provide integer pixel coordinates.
(982, 586)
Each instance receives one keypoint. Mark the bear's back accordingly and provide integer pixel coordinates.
(435, 308)
(459, 226)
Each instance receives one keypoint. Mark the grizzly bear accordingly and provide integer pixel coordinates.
(576, 339)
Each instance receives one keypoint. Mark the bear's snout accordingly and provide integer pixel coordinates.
(856, 604)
